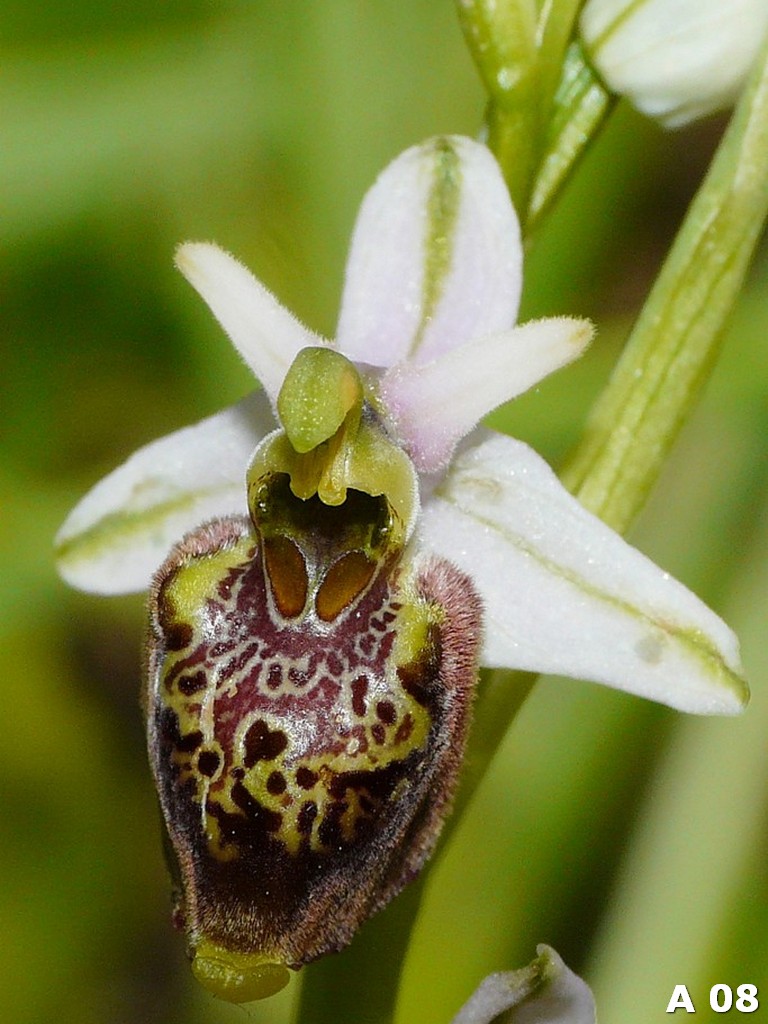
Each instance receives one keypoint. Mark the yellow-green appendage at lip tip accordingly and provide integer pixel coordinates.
(237, 977)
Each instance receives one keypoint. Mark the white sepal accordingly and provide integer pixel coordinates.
(564, 594)
(544, 992)
(436, 258)
(121, 531)
(676, 60)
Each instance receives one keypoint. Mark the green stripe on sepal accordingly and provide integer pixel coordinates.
(695, 643)
(443, 204)
(118, 532)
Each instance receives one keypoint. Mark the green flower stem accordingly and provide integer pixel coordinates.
(676, 339)
(545, 101)
(554, 32)
(501, 36)
(711, 776)
(506, 130)
(581, 106)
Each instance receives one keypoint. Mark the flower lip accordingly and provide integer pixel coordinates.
(305, 750)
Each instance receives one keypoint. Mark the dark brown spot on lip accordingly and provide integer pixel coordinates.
(287, 574)
(367, 644)
(334, 663)
(405, 729)
(297, 677)
(208, 763)
(345, 580)
(178, 635)
(189, 743)
(416, 677)
(385, 710)
(262, 743)
(306, 817)
(366, 804)
(306, 778)
(257, 815)
(330, 831)
(359, 690)
(275, 677)
(276, 783)
(190, 685)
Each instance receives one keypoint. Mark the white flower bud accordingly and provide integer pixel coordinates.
(676, 60)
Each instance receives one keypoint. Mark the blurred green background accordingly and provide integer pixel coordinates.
(632, 839)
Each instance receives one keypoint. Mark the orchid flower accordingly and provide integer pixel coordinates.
(676, 60)
(332, 558)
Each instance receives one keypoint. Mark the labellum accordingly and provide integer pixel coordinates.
(308, 691)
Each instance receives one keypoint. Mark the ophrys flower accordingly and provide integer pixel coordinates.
(352, 549)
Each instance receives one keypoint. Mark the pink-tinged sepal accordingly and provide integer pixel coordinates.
(308, 694)
(436, 257)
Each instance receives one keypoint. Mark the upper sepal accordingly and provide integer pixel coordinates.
(436, 258)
